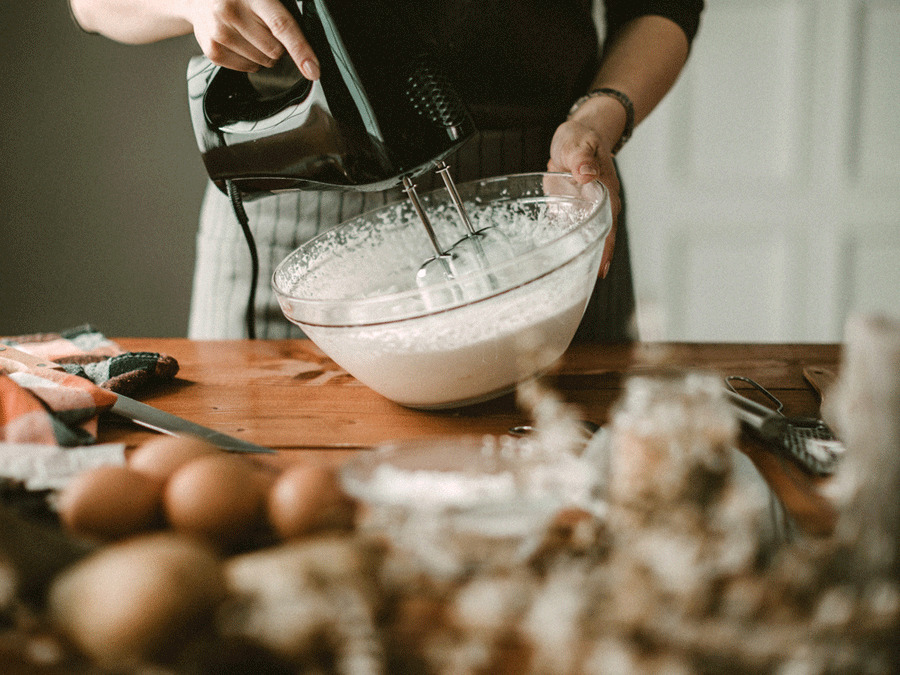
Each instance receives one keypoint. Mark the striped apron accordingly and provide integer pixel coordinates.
(281, 223)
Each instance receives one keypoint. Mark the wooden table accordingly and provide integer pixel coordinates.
(287, 395)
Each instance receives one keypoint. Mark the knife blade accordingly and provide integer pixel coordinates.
(167, 423)
(145, 415)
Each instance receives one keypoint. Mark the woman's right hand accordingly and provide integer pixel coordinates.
(247, 35)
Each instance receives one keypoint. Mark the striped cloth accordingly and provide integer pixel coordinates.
(61, 406)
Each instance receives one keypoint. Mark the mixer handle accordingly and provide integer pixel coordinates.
(235, 96)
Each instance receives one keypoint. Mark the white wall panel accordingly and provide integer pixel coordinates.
(764, 192)
(875, 138)
(871, 266)
(732, 283)
(743, 110)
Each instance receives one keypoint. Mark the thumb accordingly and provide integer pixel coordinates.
(582, 163)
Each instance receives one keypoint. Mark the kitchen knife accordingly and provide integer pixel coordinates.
(145, 415)
(167, 423)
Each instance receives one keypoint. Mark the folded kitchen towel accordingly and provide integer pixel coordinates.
(46, 405)
(86, 352)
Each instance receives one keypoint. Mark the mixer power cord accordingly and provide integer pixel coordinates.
(237, 204)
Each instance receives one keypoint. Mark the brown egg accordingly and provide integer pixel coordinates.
(162, 456)
(305, 498)
(109, 502)
(137, 598)
(220, 497)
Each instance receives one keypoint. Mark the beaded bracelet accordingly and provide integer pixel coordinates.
(621, 98)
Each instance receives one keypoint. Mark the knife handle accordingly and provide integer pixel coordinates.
(26, 359)
(820, 378)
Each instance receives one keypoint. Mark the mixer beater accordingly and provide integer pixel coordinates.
(488, 244)
(478, 250)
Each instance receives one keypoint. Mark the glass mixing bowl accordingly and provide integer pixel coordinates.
(467, 338)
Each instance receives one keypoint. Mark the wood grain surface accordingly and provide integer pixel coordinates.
(287, 395)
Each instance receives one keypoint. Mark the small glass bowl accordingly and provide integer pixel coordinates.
(461, 503)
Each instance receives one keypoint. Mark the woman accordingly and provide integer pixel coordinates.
(532, 73)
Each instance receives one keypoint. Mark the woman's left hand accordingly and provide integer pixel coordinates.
(582, 146)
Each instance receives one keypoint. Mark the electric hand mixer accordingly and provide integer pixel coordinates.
(380, 115)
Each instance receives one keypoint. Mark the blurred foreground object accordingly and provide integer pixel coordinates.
(864, 405)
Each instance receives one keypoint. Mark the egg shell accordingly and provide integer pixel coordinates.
(305, 498)
(163, 455)
(138, 598)
(220, 497)
(109, 502)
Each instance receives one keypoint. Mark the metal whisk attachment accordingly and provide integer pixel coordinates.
(488, 245)
(440, 267)
(410, 189)
(444, 170)
(477, 251)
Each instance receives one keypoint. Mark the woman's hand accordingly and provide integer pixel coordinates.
(582, 146)
(246, 35)
(243, 35)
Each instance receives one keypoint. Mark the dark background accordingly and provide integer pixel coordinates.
(100, 178)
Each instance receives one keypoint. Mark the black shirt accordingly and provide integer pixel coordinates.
(523, 62)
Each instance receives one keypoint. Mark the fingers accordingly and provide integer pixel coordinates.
(231, 50)
(248, 34)
(608, 248)
(615, 206)
(584, 165)
(584, 168)
(282, 27)
(580, 151)
(611, 181)
(577, 150)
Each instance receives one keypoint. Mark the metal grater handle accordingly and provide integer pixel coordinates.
(750, 412)
(787, 436)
